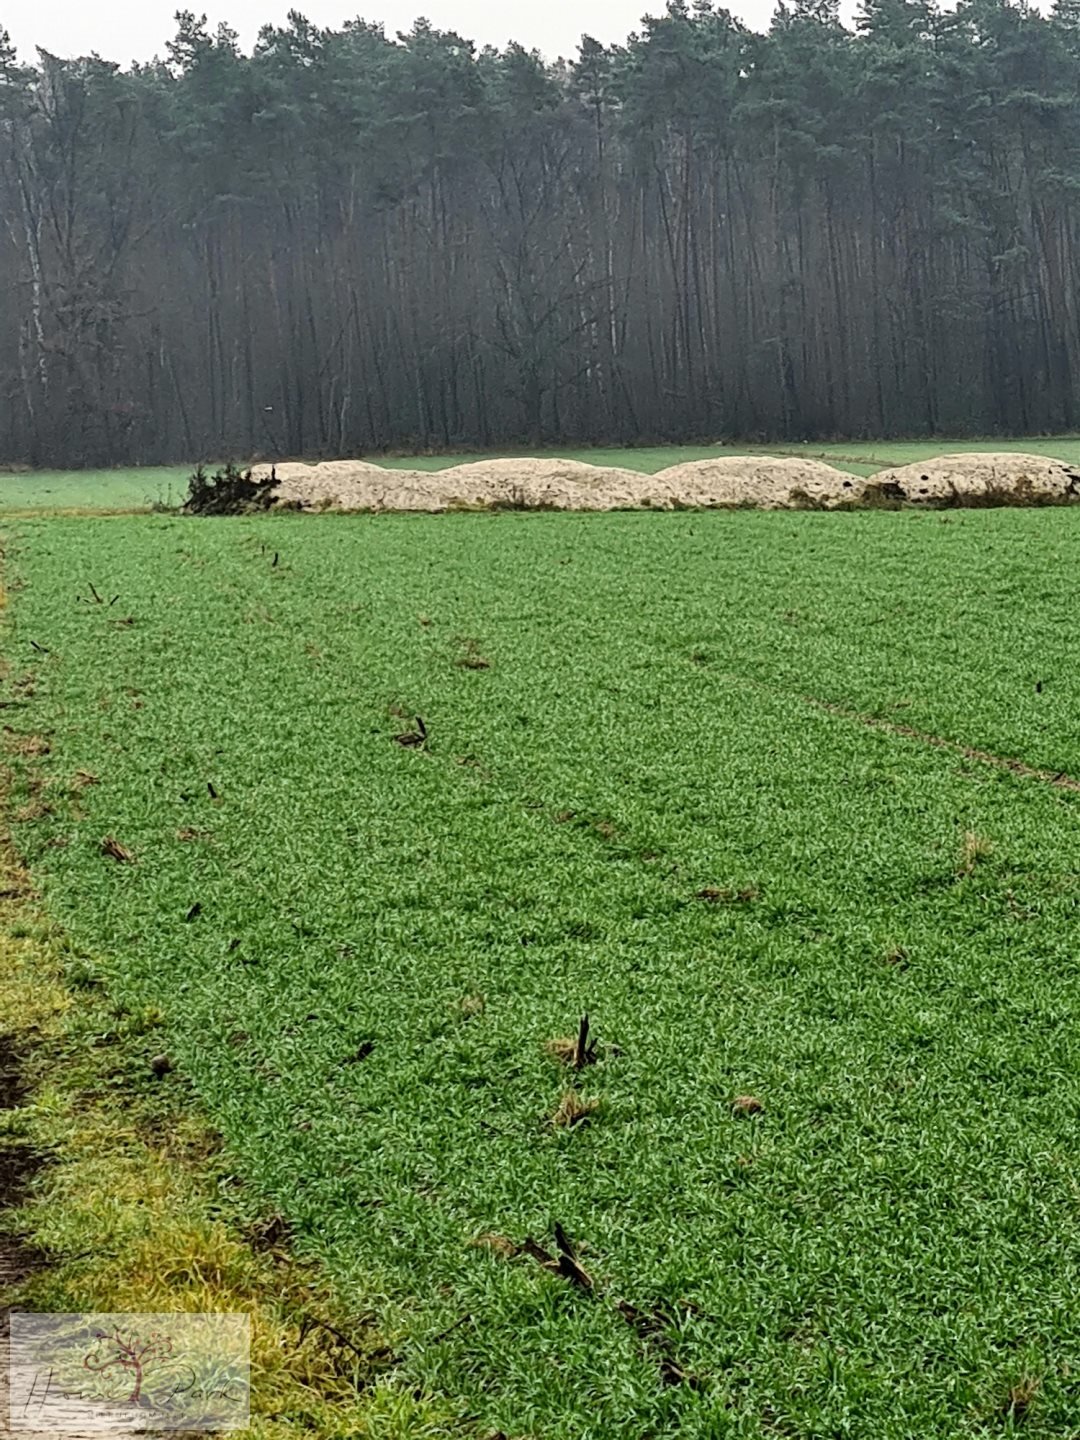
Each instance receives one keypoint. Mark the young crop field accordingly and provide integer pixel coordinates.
(786, 803)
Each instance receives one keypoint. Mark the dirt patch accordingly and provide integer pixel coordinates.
(12, 1084)
(19, 1163)
(995, 478)
(29, 747)
(765, 482)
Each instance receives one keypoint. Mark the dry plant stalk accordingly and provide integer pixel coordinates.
(565, 1263)
(578, 1050)
(746, 1105)
(975, 848)
(573, 1109)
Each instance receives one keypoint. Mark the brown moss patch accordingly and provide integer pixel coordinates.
(27, 746)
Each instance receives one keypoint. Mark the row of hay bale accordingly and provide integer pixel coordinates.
(761, 482)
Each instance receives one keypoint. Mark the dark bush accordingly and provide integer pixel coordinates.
(228, 492)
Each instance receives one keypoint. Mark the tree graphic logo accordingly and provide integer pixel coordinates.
(131, 1352)
(128, 1374)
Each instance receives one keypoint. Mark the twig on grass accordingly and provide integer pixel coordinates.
(565, 1263)
(414, 739)
(577, 1051)
(443, 1334)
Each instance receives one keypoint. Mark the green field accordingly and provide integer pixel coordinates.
(640, 808)
(166, 486)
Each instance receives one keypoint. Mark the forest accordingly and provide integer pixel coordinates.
(345, 243)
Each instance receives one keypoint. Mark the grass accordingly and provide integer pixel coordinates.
(829, 1182)
(58, 490)
(132, 1204)
(143, 489)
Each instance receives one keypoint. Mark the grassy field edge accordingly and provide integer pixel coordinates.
(116, 1194)
(142, 489)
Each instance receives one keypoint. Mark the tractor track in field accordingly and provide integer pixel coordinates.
(1055, 779)
(1059, 779)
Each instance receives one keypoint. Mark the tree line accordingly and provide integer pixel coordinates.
(343, 243)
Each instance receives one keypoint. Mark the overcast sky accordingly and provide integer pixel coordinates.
(137, 29)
